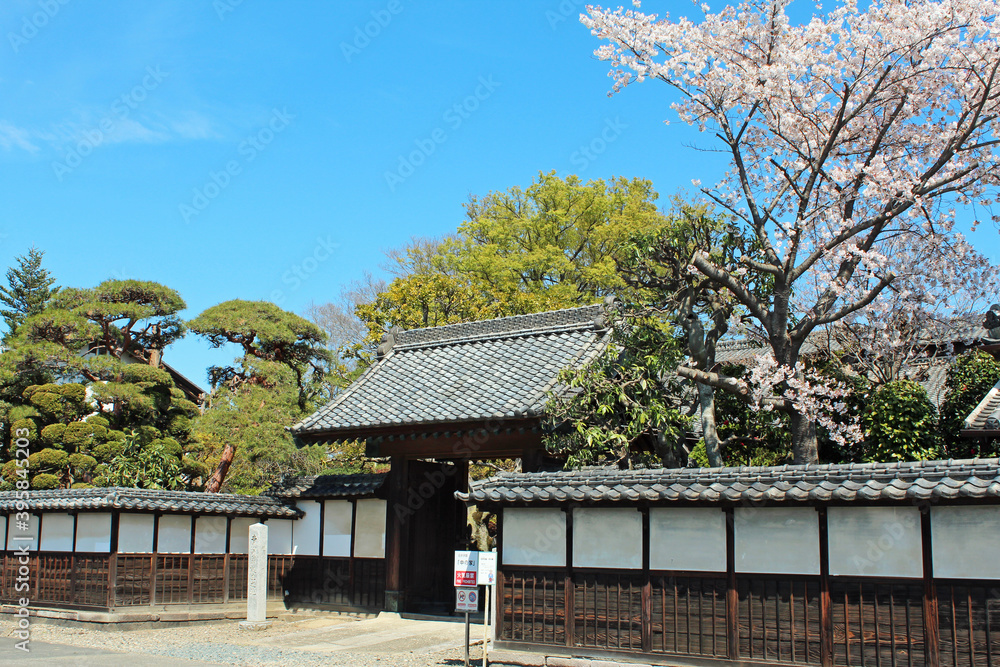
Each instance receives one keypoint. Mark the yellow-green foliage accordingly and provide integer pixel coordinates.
(61, 402)
(81, 463)
(45, 481)
(552, 245)
(48, 459)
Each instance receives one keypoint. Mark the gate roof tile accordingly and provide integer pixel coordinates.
(491, 369)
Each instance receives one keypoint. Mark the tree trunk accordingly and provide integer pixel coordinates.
(706, 402)
(219, 476)
(805, 448)
(666, 450)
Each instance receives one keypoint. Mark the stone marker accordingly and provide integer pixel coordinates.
(256, 580)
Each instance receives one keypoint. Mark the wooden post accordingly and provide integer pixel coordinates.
(322, 526)
(194, 529)
(349, 590)
(38, 560)
(932, 635)
(225, 559)
(396, 523)
(6, 558)
(647, 587)
(825, 619)
(72, 564)
(569, 606)
(152, 559)
(112, 559)
(732, 594)
(498, 602)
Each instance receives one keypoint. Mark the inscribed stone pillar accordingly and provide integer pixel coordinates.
(257, 578)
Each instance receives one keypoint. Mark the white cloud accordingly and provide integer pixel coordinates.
(16, 137)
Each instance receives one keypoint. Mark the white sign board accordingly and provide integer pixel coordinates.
(466, 568)
(487, 568)
(466, 599)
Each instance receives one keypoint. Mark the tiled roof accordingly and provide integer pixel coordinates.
(920, 480)
(743, 350)
(986, 415)
(499, 368)
(330, 486)
(147, 500)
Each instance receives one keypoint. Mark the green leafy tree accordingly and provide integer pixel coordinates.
(969, 379)
(29, 289)
(518, 251)
(105, 343)
(143, 464)
(900, 423)
(271, 386)
(621, 409)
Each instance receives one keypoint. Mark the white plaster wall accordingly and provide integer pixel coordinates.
(689, 539)
(3, 529)
(239, 534)
(305, 531)
(965, 542)
(31, 533)
(57, 532)
(93, 532)
(279, 536)
(210, 535)
(534, 537)
(607, 537)
(337, 528)
(135, 533)
(783, 540)
(174, 534)
(875, 541)
(369, 529)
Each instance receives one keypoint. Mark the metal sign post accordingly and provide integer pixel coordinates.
(486, 574)
(466, 588)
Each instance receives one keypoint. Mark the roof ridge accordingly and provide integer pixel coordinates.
(500, 327)
(489, 335)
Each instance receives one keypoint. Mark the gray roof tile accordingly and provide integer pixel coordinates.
(918, 480)
(330, 486)
(986, 415)
(465, 372)
(149, 500)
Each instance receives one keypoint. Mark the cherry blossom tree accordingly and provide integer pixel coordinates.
(851, 137)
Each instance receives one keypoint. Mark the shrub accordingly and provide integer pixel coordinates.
(44, 481)
(901, 424)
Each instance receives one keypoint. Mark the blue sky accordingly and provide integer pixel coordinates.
(265, 150)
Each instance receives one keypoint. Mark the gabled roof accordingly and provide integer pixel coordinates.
(986, 416)
(907, 481)
(477, 371)
(150, 500)
(364, 485)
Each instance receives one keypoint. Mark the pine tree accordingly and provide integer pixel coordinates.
(29, 290)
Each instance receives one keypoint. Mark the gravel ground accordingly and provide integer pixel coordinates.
(307, 642)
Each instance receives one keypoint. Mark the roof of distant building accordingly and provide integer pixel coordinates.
(985, 417)
(330, 486)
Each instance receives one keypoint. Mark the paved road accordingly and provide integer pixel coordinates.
(305, 641)
(74, 656)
